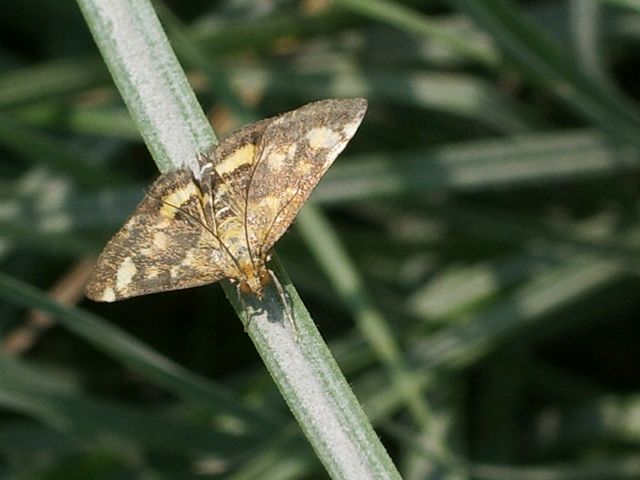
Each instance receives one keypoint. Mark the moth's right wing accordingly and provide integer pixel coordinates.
(295, 151)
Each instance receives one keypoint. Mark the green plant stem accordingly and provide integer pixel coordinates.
(175, 130)
(150, 80)
(337, 265)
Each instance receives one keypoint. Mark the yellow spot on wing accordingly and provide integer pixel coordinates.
(152, 272)
(272, 202)
(108, 295)
(322, 137)
(303, 168)
(276, 159)
(177, 198)
(160, 240)
(126, 271)
(190, 260)
(278, 156)
(242, 156)
(175, 271)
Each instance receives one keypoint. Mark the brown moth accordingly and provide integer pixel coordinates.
(221, 219)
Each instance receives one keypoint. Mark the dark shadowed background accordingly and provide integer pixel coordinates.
(488, 203)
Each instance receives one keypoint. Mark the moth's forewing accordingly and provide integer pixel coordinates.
(160, 247)
(295, 151)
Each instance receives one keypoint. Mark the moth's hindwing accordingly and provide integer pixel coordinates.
(188, 232)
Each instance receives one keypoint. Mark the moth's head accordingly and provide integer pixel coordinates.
(254, 280)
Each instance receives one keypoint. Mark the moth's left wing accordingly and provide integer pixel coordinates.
(294, 152)
(164, 245)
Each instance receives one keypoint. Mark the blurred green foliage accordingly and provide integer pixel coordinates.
(487, 212)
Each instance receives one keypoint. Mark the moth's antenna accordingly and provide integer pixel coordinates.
(197, 164)
(204, 167)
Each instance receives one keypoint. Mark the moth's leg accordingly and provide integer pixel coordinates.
(244, 309)
(285, 302)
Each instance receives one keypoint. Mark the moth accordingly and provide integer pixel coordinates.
(221, 217)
